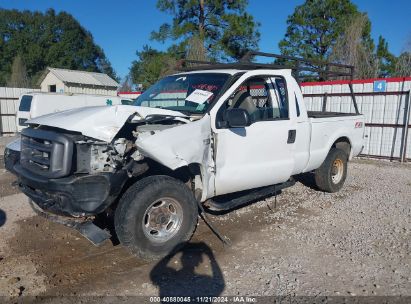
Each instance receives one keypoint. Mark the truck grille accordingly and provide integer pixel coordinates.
(46, 153)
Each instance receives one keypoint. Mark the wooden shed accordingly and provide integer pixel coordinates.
(80, 82)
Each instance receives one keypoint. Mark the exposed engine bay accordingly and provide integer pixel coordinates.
(95, 156)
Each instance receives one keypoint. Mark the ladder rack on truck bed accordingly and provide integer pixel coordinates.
(301, 68)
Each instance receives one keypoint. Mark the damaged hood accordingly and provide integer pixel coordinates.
(101, 122)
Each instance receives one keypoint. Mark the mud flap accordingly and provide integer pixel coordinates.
(93, 233)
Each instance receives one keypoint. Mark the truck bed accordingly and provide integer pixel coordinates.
(321, 114)
(327, 127)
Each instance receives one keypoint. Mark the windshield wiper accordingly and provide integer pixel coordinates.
(179, 109)
(159, 117)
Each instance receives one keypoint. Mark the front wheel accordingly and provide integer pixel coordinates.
(330, 177)
(155, 216)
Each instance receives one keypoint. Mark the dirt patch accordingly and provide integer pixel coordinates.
(6, 180)
(65, 259)
(355, 242)
(68, 264)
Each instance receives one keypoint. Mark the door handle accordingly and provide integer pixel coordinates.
(291, 136)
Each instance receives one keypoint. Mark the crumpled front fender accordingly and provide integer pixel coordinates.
(180, 146)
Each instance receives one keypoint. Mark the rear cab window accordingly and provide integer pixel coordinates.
(280, 93)
(25, 103)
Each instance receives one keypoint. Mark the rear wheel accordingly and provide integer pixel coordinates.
(155, 216)
(330, 177)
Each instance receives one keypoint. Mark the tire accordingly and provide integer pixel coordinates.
(330, 177)
(156, 216)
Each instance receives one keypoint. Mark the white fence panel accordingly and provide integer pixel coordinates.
(384, 112)
(9, 105)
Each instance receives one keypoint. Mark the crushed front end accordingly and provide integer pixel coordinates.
(64, 174)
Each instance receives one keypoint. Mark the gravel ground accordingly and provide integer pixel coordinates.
(354, 242)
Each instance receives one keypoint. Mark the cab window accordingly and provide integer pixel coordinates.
(264, 98)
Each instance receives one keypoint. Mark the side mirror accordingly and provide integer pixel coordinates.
(237, 118)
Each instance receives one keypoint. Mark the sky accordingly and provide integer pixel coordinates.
(122, 27)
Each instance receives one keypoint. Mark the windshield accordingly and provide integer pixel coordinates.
(192, 93)
(25, 103)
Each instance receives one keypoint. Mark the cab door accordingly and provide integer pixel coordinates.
(260, 154)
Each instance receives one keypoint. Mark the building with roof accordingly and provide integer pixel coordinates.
(79, 82)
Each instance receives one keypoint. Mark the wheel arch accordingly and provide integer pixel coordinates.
(194, 175)
(201, 181)
(344, 144)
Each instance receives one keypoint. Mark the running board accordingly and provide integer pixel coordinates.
(248, 197)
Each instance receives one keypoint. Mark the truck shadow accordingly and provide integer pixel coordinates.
(190, 272)
(307, 179)
(3, 217)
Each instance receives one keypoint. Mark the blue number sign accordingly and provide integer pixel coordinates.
(380, 85)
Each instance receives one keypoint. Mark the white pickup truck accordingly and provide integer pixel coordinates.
(189, 141)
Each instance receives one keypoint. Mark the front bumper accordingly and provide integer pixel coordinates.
(11, 158)
(76, 195)
(12, 154)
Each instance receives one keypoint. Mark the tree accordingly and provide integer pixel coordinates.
(315, 26)
(403, 63)
(196, 49)
(126, 84)
(386, 60)
(151, 65)
(351, 48)
(226, 29)
(48, 39)
(18, 77)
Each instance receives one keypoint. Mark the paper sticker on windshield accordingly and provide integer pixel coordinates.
(199, 96)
